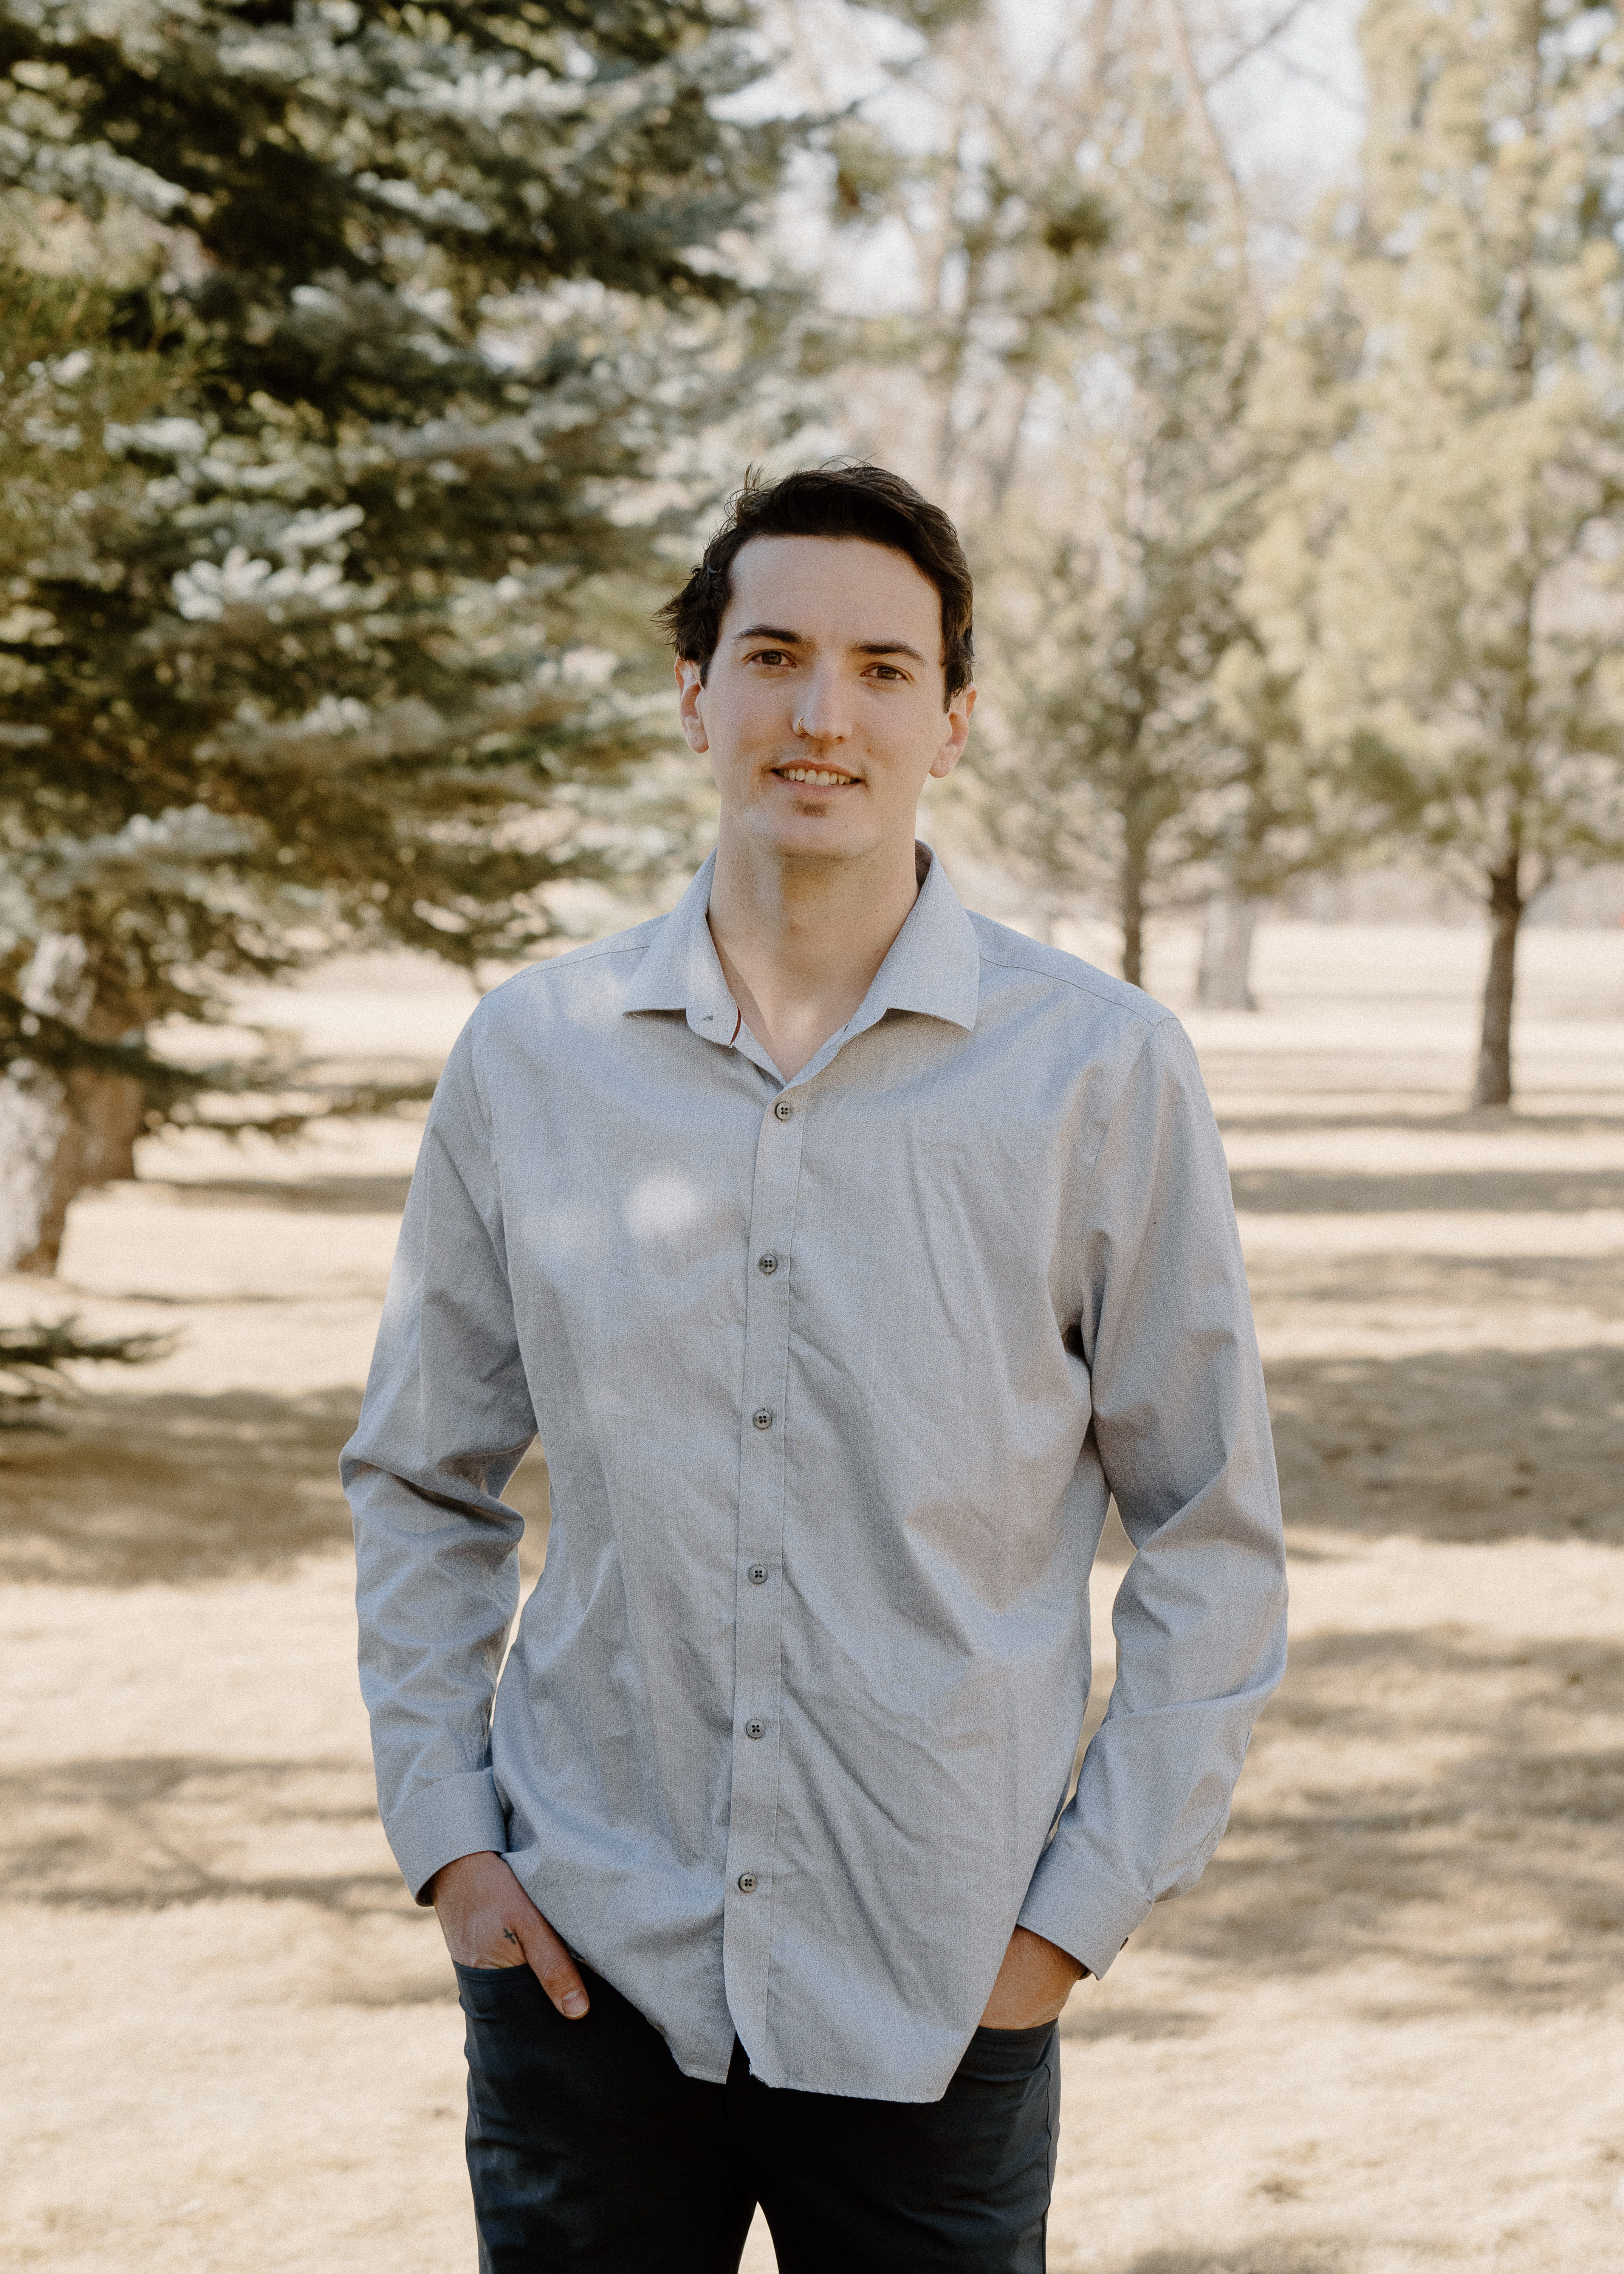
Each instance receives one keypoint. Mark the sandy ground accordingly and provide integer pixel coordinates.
(1384, 2035)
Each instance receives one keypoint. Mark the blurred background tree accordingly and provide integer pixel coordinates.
(367, 368)
(1291, 552)
(1065, 352)
(1123, 602)
(1440, 576)
(357, 358)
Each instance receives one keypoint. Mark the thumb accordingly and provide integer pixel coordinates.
(556, 1970)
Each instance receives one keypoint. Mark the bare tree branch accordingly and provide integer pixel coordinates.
(1309, 77)
(1195, 88)
(1265, 38)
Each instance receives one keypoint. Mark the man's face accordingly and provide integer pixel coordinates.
(823, 706)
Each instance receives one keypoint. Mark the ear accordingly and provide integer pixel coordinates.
(957, 734)
(690, 706)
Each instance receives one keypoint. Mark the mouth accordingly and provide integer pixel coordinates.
(817, 777)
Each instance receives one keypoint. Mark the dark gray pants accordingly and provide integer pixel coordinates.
(588, 2148)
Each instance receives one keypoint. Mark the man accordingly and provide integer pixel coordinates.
(848, 1252)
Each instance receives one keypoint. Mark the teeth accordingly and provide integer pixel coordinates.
(818, 781)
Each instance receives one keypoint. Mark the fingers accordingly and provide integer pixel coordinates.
(555, 1970)
(488, 1920)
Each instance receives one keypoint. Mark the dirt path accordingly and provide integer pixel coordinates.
(1383, 2037)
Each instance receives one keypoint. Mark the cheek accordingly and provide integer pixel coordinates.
(914, 754)
(744, 716)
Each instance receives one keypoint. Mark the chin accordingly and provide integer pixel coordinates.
(814, 838)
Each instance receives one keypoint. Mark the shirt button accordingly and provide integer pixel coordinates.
(767, 1265)
(763, 1417)
(755, 1728)
(746, 1883)
(757, 1575)
(783, 1109)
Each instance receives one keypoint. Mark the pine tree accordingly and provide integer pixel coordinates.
(1126, 600)
(352, 452)
(1440, 579)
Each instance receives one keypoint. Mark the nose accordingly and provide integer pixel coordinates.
(823, 713)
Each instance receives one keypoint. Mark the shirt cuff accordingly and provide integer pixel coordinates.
(1087, 1912)
(454, 1816)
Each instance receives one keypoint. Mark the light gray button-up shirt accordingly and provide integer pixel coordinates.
(835, 1378)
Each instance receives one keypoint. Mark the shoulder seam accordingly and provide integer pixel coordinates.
(589, 952)
(618, 944)
(1162, 1016)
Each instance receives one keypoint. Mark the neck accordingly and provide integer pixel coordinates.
(800, 941)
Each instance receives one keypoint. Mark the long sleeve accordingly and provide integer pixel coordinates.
(447, 1419)
(1182, 1429)
(835, 1377)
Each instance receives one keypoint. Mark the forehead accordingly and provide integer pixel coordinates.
(833, 588)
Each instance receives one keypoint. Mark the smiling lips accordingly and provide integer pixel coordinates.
(814, 777)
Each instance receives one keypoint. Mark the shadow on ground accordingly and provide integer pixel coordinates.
(1090, 2023)
(113, 1491)
(1474, 1446)
(1295, 2256)
(1507, 1283)
(1471, 1119)
(1298, 1191)
(333, 1195)
(145, 1832)
(1414, 1796)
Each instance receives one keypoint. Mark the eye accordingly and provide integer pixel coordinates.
(768, 655)
(888, 671)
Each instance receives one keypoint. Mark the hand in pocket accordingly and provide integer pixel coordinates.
(488, 1920)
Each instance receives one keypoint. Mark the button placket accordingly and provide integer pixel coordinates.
(764, 1423)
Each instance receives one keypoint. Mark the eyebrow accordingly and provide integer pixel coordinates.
(860, 647)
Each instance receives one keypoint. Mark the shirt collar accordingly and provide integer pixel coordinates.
(933, 965)
(679, 970)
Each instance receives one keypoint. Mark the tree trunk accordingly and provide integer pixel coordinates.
(1506, 904)
(1131, 888)
(33, 1119)
(60, 1134)
(57, 1139)
(1224, 980)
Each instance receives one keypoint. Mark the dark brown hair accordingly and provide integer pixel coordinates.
(833, 500)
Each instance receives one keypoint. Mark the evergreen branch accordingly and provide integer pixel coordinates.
(35, 1038)
(352, 1102)
(31, 1360)
(173, 1094)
